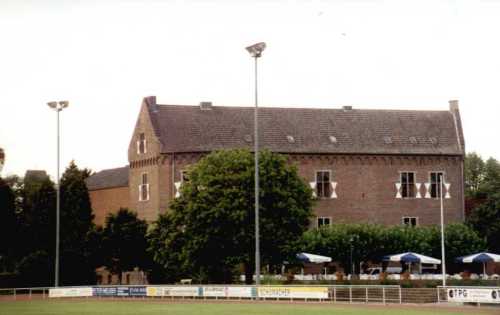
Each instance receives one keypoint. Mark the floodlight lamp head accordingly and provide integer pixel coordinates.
(256, 49)
(52, 105)
(63, 104)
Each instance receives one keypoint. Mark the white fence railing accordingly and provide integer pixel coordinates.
(336, 293)
(322, 293)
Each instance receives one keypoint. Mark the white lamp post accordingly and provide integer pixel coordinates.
(443, 262)
(57, 106)
(256, 52)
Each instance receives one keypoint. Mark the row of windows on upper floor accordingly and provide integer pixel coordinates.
(325, 187)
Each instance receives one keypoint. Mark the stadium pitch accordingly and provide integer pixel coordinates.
(127, 307)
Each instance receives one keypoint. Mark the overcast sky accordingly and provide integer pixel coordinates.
(105, 56)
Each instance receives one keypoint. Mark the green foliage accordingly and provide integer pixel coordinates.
(483, 188)
(165, 247)
(36, 270)
(35, 221)
(482, 179)
(372, 242)
(7, 224)
(491, 184)
(76, 224)
(474, 173)
(124, 242)
(210, 227)
(485, 219)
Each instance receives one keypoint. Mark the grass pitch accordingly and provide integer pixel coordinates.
(93, 307)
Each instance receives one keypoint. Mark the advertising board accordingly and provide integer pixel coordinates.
(70, 292)
(243, 292)
(293, 292)
(105, 291)
(477, 295)
(173, 291)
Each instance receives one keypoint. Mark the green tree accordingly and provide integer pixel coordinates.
(460, 240)
(491, 183)
(485, 219)
(165, 249)
(124, 242)
(212, 222)
(370, 242)
(36, 270)
(76, 224)
(35, 228)
(7, 225)
(474, 171)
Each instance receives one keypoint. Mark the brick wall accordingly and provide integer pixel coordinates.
(144, 163)
(366, 183)
(367, 193)
(366, 186)
(109, 200)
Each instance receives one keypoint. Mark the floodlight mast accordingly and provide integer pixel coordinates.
(256, 52)
(57, 106)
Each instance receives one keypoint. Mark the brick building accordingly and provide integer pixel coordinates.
(377, 166)
(108, 191)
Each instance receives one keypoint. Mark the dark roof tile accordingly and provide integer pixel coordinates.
(115, 177)
(189, 129)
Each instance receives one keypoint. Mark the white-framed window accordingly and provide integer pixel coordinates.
(144, 188)
(323, 186)
(407, 184)
(141, 144)
(184, 176)
(410, 221)
(322, 221)
(435, 181)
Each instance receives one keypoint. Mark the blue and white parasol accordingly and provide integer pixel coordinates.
(410, 257)
(311, 258)
(479, 258)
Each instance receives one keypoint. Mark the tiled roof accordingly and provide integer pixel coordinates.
(189, 129)
(115, 177)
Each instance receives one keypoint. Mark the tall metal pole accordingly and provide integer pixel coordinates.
(58, 201)
(58, 106)
(256, 154)
(443, 263)
(256, 51)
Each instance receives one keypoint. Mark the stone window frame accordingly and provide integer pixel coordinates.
(438, 192)
(409, 218)
(143, 142)
(318, 218)
(414, 195)
(143, 185)
(330, 175)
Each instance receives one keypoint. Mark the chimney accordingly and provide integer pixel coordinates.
(151, 103)
(205, 105)
(453, 105)
(151, 100)
(347, 107)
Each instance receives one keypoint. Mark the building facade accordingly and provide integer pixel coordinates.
(108, 192)
(374, 166)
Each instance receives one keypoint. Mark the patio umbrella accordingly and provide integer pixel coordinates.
(410, 257)
(481, 258)
(311, 258)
